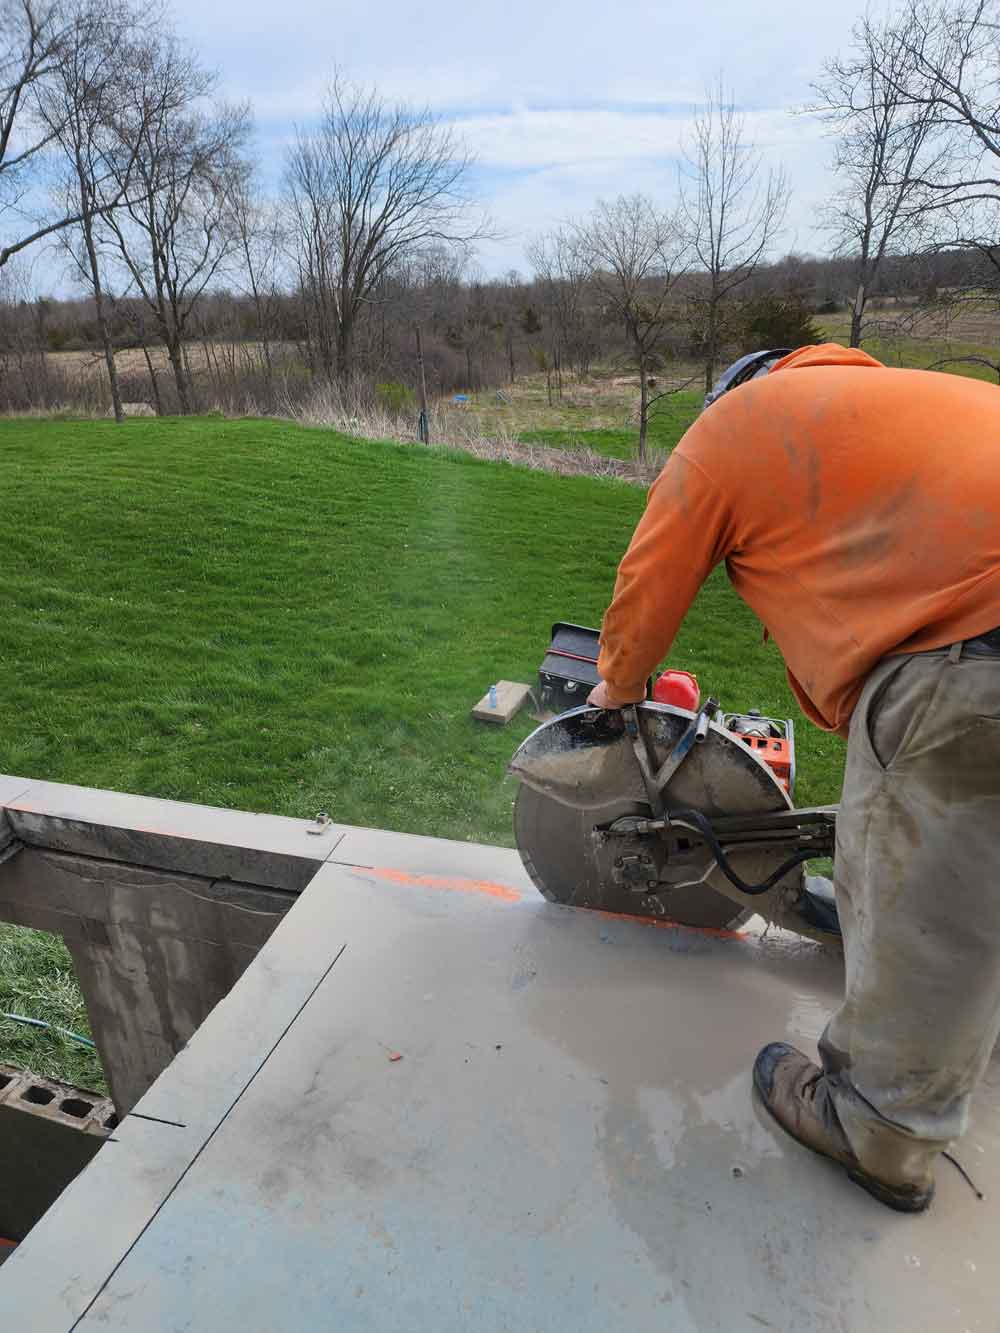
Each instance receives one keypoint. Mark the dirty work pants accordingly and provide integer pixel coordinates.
(917, 881)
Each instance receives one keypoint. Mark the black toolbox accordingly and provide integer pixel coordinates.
(569, 670)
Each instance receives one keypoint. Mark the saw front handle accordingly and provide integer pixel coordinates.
(656, 779)
(644, 758)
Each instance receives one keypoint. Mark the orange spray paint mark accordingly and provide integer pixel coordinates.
(458, 884)
(665, 923)
(453, 883)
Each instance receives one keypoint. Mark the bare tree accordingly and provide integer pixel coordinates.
(510, 291)
(953, 70)
(562, 278)
(78, 104)
(374, 184)
(952, 76)
(260, 246)
(312, 205)
(732, 210)
(24, 366)
(179, 165)
(635, 254)
(886, 154)
(31, 38)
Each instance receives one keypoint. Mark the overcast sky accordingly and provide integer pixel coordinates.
(561, 101)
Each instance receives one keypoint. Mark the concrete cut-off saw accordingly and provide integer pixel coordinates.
(668, 809)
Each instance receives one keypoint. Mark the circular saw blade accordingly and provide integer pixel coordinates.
(578, 772)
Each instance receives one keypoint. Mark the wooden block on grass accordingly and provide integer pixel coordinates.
(511, 697)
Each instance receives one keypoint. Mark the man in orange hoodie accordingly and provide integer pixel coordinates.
(857, 509)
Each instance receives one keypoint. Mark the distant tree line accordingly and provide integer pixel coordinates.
(115, 151)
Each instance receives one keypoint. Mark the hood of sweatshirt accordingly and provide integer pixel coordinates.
(825, 354)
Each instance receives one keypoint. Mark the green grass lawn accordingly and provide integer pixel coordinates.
(669, 419)
(258, 615)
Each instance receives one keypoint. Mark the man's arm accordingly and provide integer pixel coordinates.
(684, 533)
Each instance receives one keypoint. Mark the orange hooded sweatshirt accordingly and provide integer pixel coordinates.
(857, 509)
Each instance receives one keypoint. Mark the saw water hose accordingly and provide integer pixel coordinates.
(697, 822)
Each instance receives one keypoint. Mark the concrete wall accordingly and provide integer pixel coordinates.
(162, 906)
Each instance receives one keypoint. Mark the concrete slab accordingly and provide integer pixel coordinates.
(568, 1142)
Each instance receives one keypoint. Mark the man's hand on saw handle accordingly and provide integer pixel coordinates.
(599, 698)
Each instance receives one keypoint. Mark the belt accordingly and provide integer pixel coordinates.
(983, 645)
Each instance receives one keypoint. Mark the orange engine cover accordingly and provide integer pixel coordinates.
(776, 752)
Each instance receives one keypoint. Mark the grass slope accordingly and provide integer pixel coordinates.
(257, 615)
(598, 413)
(668, 421)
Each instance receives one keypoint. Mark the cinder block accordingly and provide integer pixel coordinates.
(47, 1097)
(510, 699)
(12, 1080)
(49, 1131)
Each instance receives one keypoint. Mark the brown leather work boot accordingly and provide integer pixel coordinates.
(797, 1093)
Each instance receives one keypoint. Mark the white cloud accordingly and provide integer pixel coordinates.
(526, 139)
(536, 138)
(561, 101)
(562, 52)
(549, 165)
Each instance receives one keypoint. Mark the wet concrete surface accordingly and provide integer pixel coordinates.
(437, 1102)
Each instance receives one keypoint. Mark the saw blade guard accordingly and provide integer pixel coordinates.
(579, 777)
